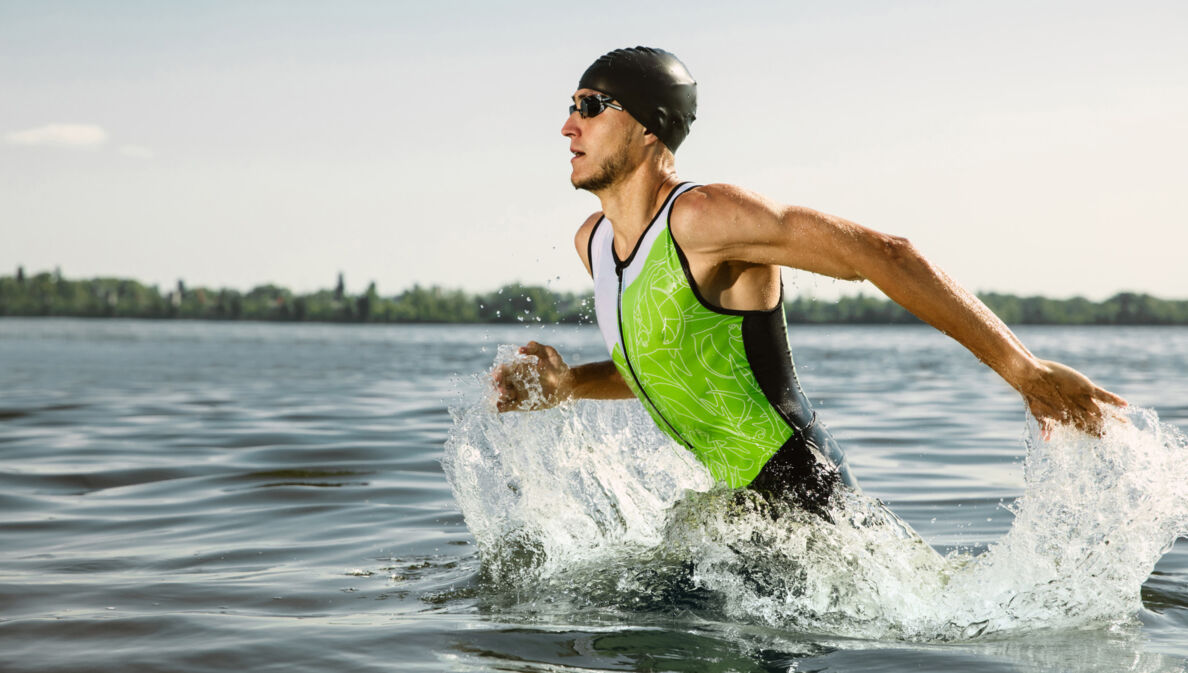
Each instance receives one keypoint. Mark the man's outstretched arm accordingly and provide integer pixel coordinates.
(762, 232)
(558, 381)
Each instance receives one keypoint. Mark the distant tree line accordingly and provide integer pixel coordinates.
(49, 294)
(1124, 308)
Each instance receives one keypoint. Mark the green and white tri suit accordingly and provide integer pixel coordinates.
(718, 381)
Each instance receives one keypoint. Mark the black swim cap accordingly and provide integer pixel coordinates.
(653, 85)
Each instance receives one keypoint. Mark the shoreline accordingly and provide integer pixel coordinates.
(51, 295)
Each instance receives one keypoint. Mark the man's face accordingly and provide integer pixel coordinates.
(600, 145)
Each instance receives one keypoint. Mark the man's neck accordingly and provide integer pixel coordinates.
(631, 203)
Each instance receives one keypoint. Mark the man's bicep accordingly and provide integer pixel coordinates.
(820, 243)
(730, 224)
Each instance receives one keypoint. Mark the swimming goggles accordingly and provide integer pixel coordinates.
(593, 105)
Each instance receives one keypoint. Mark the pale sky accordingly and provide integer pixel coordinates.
(1026, 147)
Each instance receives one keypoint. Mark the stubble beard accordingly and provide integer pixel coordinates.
(609, 172)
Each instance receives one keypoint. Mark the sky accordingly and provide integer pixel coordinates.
(1024, 147)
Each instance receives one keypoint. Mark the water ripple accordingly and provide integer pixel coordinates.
(211, 497)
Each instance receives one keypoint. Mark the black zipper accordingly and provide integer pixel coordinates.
(630, 368)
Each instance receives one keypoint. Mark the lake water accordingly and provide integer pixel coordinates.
(267, 497)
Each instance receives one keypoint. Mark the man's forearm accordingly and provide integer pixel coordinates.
(826, 244)
(930, 294)
(598, 381)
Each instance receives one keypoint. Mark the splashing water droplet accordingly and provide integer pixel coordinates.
(588, 508)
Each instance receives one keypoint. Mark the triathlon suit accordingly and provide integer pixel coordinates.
(718, 381)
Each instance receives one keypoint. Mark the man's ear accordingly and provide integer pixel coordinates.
(661, 121)
(661, 118)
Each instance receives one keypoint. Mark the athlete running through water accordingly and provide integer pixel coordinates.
(689, 299)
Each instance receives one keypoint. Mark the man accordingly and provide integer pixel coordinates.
(689, 299)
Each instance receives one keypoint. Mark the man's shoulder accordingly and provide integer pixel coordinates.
(583, 232)
(590, 221)
(712, 212)
(581, 239)
(720, 199)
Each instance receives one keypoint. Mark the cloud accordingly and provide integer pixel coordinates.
(72, 136)
(137, 151)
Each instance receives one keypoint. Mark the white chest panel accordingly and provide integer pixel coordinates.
(606, 269)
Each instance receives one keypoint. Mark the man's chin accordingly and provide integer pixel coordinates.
(578, 180)
(604, 175)
(590, 183)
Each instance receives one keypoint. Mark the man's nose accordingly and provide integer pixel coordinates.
(570, 128)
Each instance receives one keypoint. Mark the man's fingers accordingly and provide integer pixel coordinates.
(509, 398)
(1099, 409)
(544, 354)
(1047, 424)
(553, 356)
(515, 380)
(1106, 396)
(504, 382)
(1109, 409)
(1094, 416)
(1090, 419)
(1091, 422)
(1085, 407)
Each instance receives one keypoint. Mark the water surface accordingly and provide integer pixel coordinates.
(221, 496)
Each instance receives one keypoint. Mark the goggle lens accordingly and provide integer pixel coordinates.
(593, 105)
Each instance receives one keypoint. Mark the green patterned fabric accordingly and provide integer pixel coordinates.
(691, 363)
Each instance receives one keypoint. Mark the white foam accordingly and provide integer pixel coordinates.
(588, 507)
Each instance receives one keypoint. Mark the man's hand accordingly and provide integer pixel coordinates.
(1059, 394)
(529, 386)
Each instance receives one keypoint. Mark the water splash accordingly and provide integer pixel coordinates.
(587, 509)
(1095, 517)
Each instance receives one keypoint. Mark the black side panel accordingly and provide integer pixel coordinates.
(811, 463)
(765, 340)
